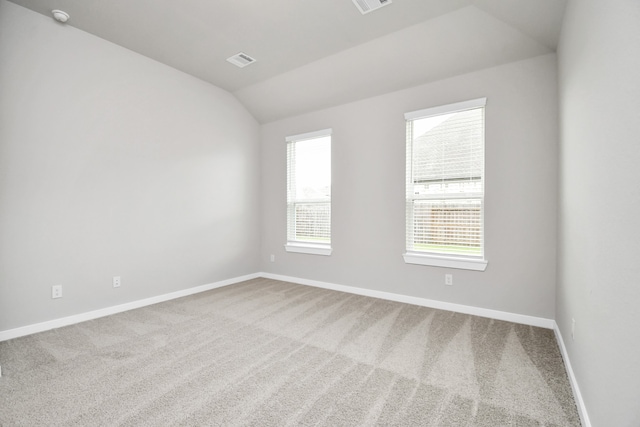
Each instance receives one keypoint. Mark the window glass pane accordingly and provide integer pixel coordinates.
(448, 153)
(313, 169)
(448, 226)
(313, 222)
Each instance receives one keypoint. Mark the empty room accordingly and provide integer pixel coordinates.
(337, 213)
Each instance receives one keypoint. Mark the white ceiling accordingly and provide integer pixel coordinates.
(318, 53)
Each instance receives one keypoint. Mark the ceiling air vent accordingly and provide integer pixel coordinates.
(366, 6)
(241, 60)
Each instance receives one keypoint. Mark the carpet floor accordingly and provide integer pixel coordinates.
(271, 353)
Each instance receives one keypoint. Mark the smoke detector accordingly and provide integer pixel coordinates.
(241, 60)
(60, 15)
(366, 6)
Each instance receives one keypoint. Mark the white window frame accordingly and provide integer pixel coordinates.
(295, 245)
(477, 263)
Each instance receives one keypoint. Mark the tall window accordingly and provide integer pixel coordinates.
(309, 193)
(445, 186)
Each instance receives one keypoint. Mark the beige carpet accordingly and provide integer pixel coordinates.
(270, 353)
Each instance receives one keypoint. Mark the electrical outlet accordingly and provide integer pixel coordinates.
(273, 258)
(573, 328)
(116, 281)
(56, 291)
(448, 279)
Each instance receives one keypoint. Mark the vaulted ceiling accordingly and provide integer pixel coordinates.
(313, 54)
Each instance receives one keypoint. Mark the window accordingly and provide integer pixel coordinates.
(309, 193)
(445, 186)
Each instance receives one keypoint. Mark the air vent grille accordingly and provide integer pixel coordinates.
(366, 6)
(241, 60)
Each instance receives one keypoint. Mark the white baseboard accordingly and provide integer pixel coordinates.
(459, 308)
(466, 309)
(82, 317)
(582, 409)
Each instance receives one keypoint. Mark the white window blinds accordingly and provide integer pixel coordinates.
(445, 180)
(309, 188)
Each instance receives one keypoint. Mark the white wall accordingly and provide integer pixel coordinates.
(368, 192)
(113, 164)
(599, 236)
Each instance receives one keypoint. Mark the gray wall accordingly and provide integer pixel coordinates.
(113, 164)
(599, 205)
(368, 192)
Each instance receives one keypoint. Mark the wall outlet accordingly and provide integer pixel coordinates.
(573, 328)
(56, 291)
(273, 258)
(116, 281)
(448, 279)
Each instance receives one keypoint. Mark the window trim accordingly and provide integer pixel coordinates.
(446, 109)
(448, 261)
(433, 259)
(324, 249)
(309, 248)
(309, 135)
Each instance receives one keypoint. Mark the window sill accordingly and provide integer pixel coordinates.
(446, 261)
(308, 248)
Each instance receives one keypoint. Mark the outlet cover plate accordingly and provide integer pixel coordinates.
(56, 291)
(448, 279)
